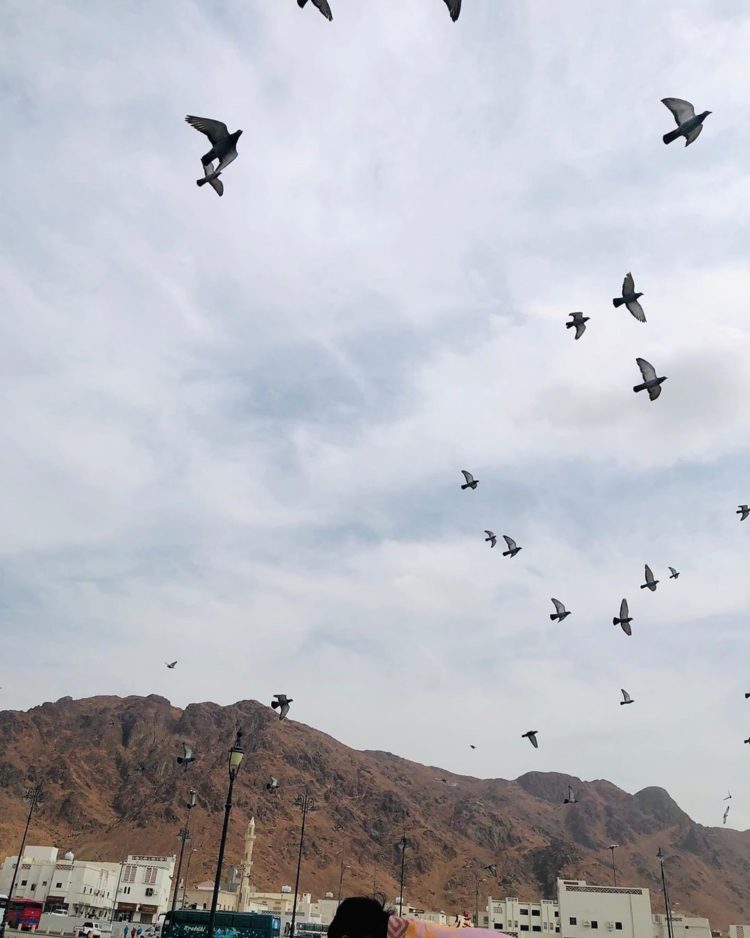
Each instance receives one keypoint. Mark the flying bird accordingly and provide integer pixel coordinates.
(322, 5)
(471, 482)
(272, 784)
(729, 795)
(673, 574)
(454, 7)
(491, 869)
(562, 612)
(281, 703)
(223, 149)
(651, 383)
(531, 736)
(624, 619)
(689, 124)
(187, 757)
(747, 695)
(513, 548)
(626, 698)
(472, 746)
(491, 539)
(744, 511)
(726, 815)
(747, 740)
(579, 322)
(171, 665)
(571, 799)
(630, 299)
(650, 581)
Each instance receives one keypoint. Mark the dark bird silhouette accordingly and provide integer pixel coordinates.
(726, 815)
(223, 149)
(562, 612)
(171, 665)
(513, 548)
(728, 797)
(651, 383)
(630, 299)
(578, 322)
(747, 695)
(491, 869)
(650, 583)
(272, 784)
(673, 574)
(531, 736)
(571, 799)
(689, 124)
(626, 698)
(490, 539)
(471, 482)
(322, 5)
(472, 746)
(281, 703)
(624, 619)
(454, 8)
(187, 758)
(743, 510)
(747, 740)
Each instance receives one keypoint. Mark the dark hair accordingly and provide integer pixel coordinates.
(360, 917)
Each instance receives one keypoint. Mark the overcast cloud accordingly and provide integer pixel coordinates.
(233, 428)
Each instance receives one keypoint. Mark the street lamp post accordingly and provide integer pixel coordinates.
(184, 837)
(341, 878)
(306, 803)
(614, 847)
(667, 909)
(33, 796)
(117, 893)
(403, 846)
(235, 761)
(187, 873)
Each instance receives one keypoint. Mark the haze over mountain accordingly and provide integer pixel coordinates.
(112, 785)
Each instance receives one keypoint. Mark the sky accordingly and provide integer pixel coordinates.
(233, 428)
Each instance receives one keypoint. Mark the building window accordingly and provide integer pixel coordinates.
(536, 912)
(573, 920)
(536, 927)
(524, 927)
(24, 881)
(44, 882)
(149, 891)
(618, 926)
(594, 924)
(58, 885)
(499, 926)
(149, 876)
(33, 887)
(524, 911)
(128, 874)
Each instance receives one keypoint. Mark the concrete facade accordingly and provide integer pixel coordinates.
(515, 917)
(683, 926)
(602, 911)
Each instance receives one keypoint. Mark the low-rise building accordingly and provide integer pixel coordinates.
(683, 926)
(739, 931)
(591, 911)
(515, 917)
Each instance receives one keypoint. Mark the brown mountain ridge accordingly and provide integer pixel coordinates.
(112, 786)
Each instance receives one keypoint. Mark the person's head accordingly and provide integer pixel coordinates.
(359, 917)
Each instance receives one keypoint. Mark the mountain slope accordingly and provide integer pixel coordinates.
(112, 786)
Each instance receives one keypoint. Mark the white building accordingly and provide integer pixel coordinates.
(683, 926)
(591, 911)
(137, 890)
(514, 917)
(739, 931)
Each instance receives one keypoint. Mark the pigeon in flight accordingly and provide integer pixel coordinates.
(471, 482)
(531, 736)
(281, 703)
(728, 797)
(491, 539)
(454, 7)
(272, 784)
(630, 298)
(650, 581)
(689, 124)
(651, 383)
(673, 574)
(747, 740)
(562, 612)
(571, 799)
(747, 695)
(223, 149)
(744, 511)
(579, 322)
(491, 869)
(171, 665)
(626, 698)
(624, 618)
(726, 815)
(472, 746)
(322, 5)
(513, 548)
(187, 757)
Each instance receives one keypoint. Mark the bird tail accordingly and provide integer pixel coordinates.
(275, 704)
(672, 135)
(644, 586)
(639, 387)
(617, 301)
(615, 622)
(201, 182)
(553, 617)
(569, 325)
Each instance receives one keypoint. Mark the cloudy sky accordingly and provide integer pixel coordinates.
(233, 428)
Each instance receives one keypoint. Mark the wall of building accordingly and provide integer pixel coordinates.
(515, 917)
(739, 931)
(683, 926)
(603, 911)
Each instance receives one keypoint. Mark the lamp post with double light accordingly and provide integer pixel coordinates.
(614, 847)
(403, 843)
(236, 754)
(305, 802)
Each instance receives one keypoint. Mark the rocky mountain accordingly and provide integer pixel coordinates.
(112, 786)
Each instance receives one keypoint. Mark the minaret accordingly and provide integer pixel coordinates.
(243, 898)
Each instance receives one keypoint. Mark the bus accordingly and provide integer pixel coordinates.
(193, 923)
(3, 903)
(23, 913)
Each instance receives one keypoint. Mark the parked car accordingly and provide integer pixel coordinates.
(87, 930)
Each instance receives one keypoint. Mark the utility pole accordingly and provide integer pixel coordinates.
(614, 847)
(33, 796)
(667, 909)
(403, 864)
(184, 837)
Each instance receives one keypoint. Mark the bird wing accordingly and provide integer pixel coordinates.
(681, 110)
(510, 542)
(467, 475)
(284, 710)
(558, 606)
(322, 5)
(647, 369)
(625, 694)
(454, 6)
(280, 697)
(653, 393)
(649, 574)
(624, 612)
(188, 752)
(580, 329)
(693, 135)
(214, 130)
(628, 284)
(636, 310)
(217, 185)
(533, 740)
(626, 628)
(672, 570)
(488, 533)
